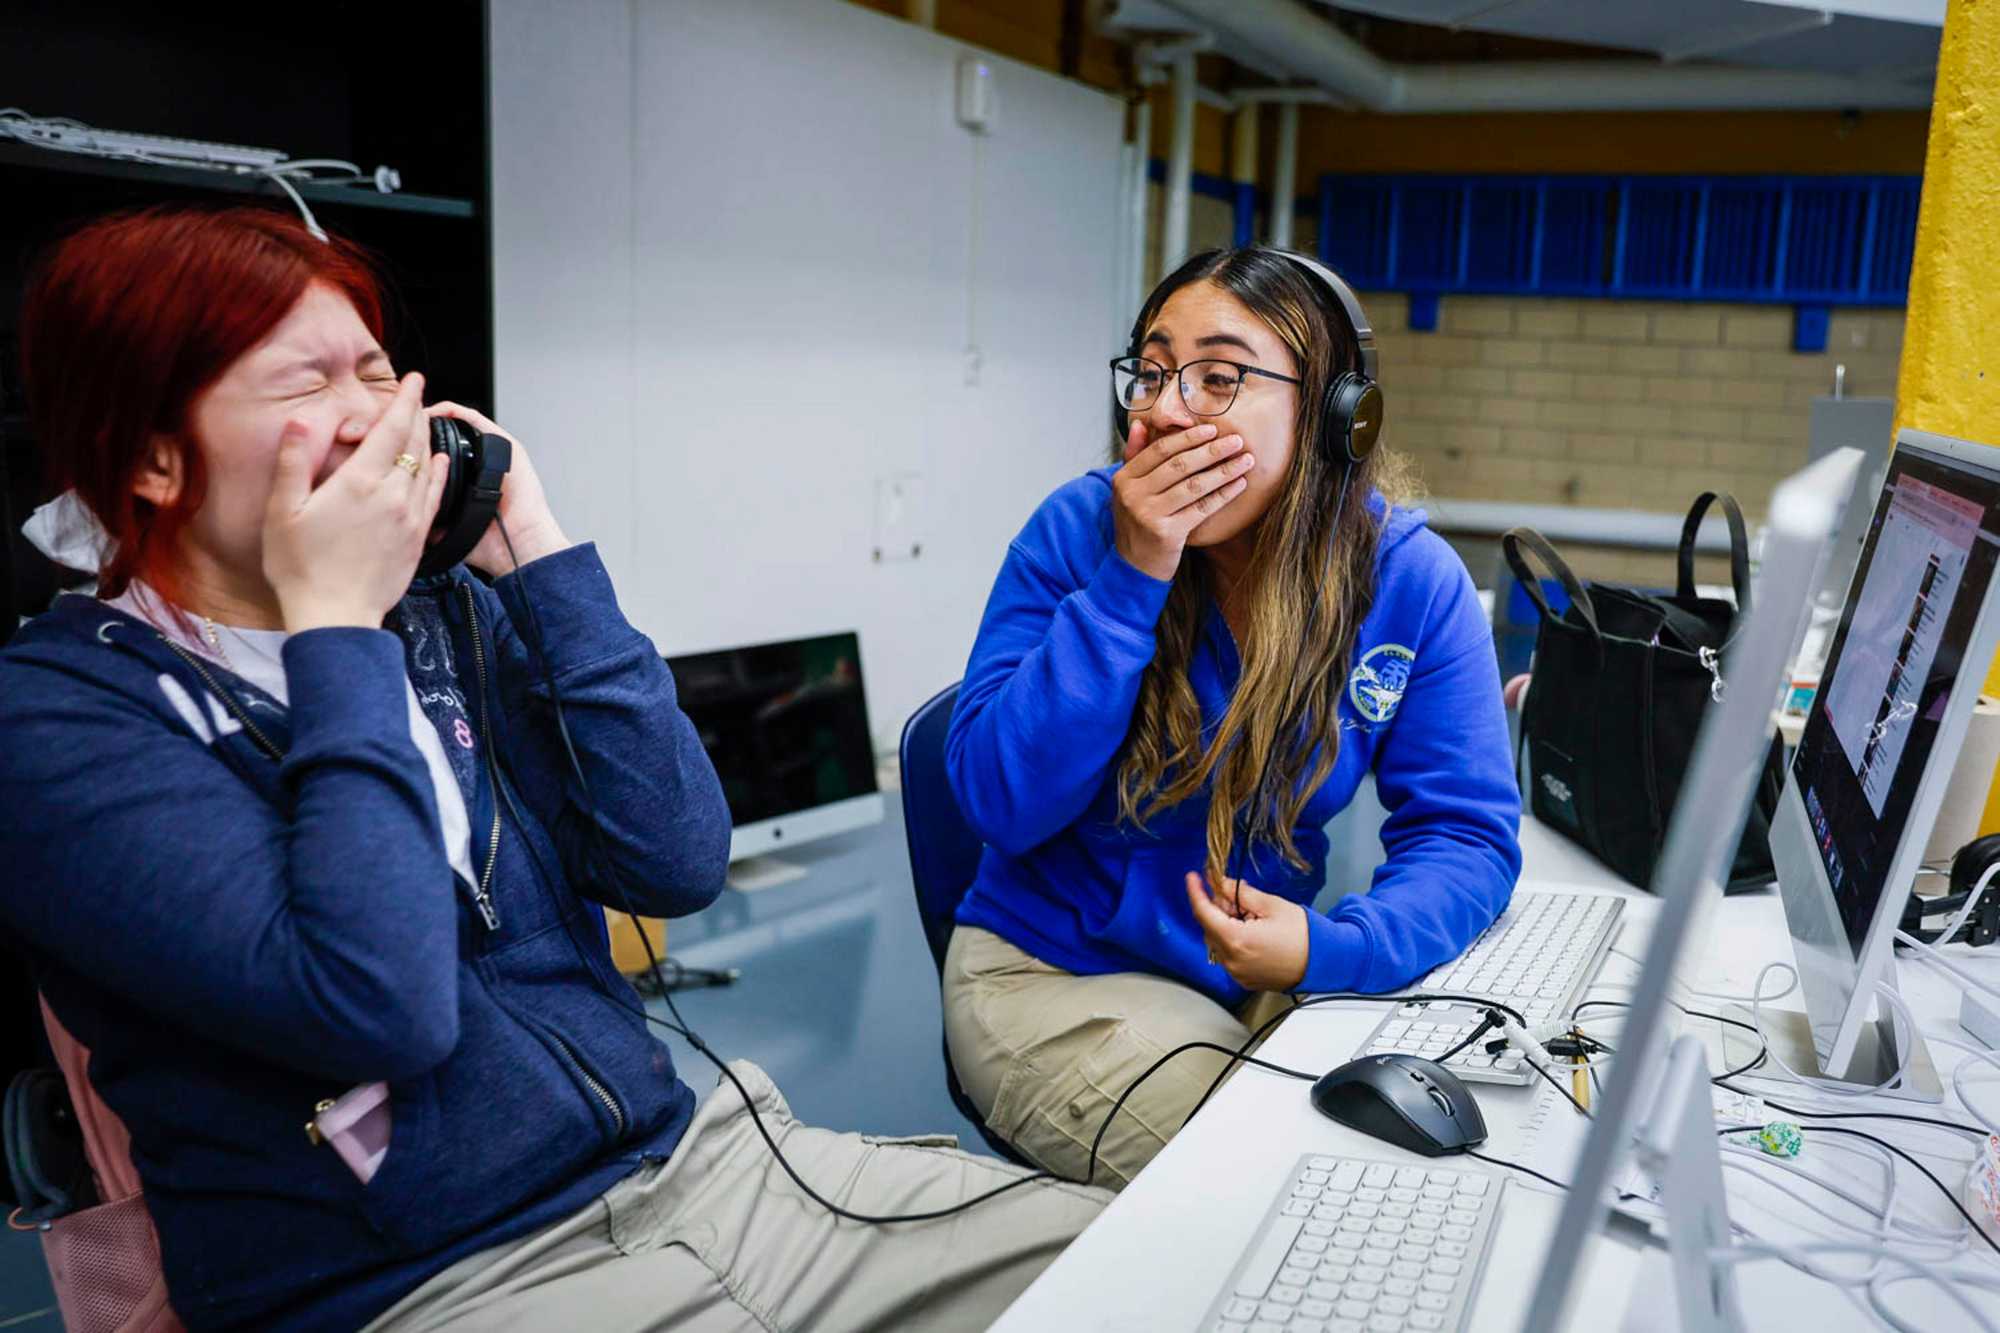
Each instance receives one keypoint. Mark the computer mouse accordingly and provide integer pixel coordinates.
(1400, 1099)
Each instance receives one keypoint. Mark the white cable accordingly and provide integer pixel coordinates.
(1980, 1055)
(1905, 1039)
(1972, 897)
(1711, 994)
(312, 223)
(1950, 1281)
(1930, 954)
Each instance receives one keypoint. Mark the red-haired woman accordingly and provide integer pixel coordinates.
(281, 826)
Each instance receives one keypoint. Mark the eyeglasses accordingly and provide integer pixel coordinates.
(1208, 388)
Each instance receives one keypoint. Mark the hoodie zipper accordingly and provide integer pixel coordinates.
(482, 893)
(215, 687)
(590, 1080)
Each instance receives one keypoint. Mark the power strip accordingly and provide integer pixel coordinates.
(1980, 1015)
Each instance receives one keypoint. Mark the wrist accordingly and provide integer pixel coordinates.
(300, 616)
(538, 540)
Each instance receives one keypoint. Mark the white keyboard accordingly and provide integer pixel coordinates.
(1354, 1246)
(1537, 957)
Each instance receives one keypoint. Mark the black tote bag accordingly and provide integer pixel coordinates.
(1619, 684)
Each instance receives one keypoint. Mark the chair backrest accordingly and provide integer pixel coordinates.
(104, 1261)
(944, 851)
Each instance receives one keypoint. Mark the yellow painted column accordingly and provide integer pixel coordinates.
(1950, 377)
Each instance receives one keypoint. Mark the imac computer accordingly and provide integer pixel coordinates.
(786, 726)
(1650, 1096)
(1914, 641)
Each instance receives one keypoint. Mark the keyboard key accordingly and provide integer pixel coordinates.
(1378, 1175)
(1285, 1295)
(1437, 1191)
(1392, 1305)
(1316, 1307)
(1305, 1326)
(1308, 1192)
(1314, 1177)
(1322, 1212)
(1430, 1300)
(1346, 1326)
(1443, 1177)
(1401, 1287)
(1267, 1257)
(1460, 1218)
(1309, 1245)
(1347, 1240)
(1455, 1233)
(1329, 1164)
(1425, 1321)
(1473, 1185)
(1432, 1207)
(1375, 1274)
(1293, 1276)
(1319, 1228)
(1323, 1291)
(1447, 1267)
(1370, 1195)
(1378, 1255)
(1470, 1203)
(1266, 1326)
(1359, 1209)
(1297, 1208)
(1411, 1177)
(1240, 1309)
(1231, 1326)
(1352, 1309)
(1402, 1268)
(1361, 1291)
(1385, 1323)
(1451, 1249)
(1275, 1313)
(1403, 1195)
(1397, 1210)
(1442, 1285)
(1390, 1226)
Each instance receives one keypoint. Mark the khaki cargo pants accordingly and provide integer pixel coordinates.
(717, 1238)
(1046, 1053)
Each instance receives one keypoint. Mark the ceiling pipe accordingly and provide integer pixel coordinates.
(1284, 35)
(1180, 165)
(1285, 176)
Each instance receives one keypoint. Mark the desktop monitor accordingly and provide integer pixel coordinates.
(1915, 639)
(1700, 843)
(786, 726)
(1867, 424)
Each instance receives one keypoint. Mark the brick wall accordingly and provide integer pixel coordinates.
(1600, 403)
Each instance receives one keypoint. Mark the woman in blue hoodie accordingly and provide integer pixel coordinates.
(289, 837)
(1187, 664)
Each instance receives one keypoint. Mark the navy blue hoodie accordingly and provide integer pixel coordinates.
(243, 910)
(1041, 722)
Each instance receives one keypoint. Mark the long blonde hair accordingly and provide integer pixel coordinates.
(1309, 585)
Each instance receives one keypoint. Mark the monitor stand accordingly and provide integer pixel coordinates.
(1678, 1147)
(755, 873)
(1876, 1055)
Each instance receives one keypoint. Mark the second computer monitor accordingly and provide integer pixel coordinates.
(1916, 637)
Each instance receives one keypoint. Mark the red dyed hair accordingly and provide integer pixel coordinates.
(129, 320)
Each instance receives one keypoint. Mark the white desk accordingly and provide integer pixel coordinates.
(1157, 1256)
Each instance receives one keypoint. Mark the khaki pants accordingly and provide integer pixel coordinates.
(1045, 1053)
(717, 1238)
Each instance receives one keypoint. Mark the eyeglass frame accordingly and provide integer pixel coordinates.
(1243, 372)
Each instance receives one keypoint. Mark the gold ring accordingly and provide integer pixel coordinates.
(409, 464)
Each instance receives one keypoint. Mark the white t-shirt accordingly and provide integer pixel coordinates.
(256, 656)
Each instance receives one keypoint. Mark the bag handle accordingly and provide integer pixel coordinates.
(1739, 547)
(1511, 543)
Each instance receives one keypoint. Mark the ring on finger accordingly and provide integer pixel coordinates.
(409, 464)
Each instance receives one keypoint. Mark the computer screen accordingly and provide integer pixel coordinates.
(1902, 639)
(785, 724)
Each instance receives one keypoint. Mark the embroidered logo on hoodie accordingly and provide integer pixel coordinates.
(1376, 684)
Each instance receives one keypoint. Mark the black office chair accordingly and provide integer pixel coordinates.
(944, 857)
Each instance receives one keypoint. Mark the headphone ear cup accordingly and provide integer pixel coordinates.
(1353, 416)
(1971, 861)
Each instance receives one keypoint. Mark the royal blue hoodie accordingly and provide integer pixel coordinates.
(244, 913)
(1041, 720)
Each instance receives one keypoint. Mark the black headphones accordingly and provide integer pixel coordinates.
(1967, 866)
(479, 464)
(1352, 405)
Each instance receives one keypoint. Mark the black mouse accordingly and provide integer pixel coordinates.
(1412, 1103)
